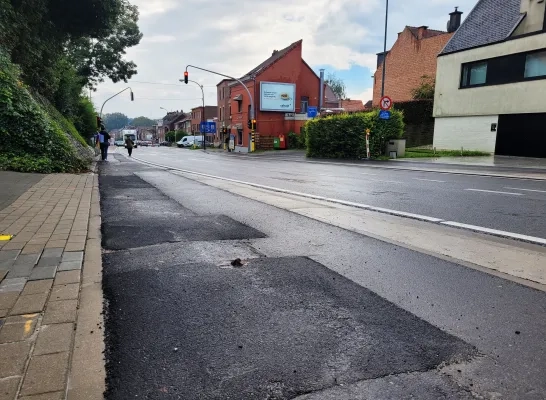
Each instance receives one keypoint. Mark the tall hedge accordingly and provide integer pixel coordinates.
(344, 135)
(33, 135)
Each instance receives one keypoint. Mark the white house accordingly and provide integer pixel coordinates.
(491, 81)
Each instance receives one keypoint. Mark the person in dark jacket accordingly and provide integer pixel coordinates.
(104, 142)
(129, 144)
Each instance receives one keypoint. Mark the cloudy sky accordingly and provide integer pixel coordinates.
(233, 36)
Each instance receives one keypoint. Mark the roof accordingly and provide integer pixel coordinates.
(277, 55)
(368, 105)
(490, 21)
(224, 80)
(352, 105)
(427, 33)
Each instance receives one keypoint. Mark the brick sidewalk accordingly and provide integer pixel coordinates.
(40, 289)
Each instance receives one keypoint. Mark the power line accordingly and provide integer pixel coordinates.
(166, 84)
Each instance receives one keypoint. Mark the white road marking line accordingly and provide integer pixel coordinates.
(494, 191)
(429, 180)
(526, 190)
(496, 232)
(366, 173)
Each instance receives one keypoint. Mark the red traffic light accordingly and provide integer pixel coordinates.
(186, 77)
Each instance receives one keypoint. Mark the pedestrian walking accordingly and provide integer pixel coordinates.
(129, 144)
(104, 142)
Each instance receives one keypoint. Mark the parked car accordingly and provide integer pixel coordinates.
(165, 143)
(188, 141)
(119, 143)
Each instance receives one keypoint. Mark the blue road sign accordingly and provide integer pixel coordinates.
(383, 114)
(312, 112)
(208, 127)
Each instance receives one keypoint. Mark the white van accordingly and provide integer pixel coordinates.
(188, 141)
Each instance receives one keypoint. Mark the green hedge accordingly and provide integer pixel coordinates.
(344, 135)
(34, 136)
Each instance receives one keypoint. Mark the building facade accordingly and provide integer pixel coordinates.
(491, 81)
(411, 60)
(223, 112)
(197, 117)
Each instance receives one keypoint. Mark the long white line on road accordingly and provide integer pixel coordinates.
(493, 232)
(497, 192)
(526, 190)
(365, 173)
(496, 232)
(429, 180)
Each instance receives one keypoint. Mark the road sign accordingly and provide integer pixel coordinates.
(385, 103)
(384, 114)
(208, 127)
(312, 112)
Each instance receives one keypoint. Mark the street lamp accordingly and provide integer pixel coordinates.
(203, 116)
(164, 109)
(385, 49)
(127, 88)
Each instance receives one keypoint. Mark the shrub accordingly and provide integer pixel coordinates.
(35, 130)
(344, 135)
(296, 141)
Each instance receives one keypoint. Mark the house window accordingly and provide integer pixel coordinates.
(221, 113)
(474, 74)
(230, 110)
(535, 65)
(239, 106)
(240, 137)
(304, 104)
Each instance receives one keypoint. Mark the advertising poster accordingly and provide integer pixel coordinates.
(276, 96)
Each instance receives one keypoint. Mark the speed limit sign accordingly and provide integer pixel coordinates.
(385, 103)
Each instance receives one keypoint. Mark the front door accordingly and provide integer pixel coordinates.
(521, 135)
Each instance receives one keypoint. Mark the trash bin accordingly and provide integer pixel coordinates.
(276, 143)
(283, 141)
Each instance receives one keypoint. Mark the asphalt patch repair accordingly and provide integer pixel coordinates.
(273, 329)
(136, 214)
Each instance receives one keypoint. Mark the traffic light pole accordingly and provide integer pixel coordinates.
(127, 88)
(249, 96)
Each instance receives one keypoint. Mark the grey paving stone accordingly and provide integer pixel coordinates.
(8, 388)
(46, 373)
(45, 396)
(55, 338)
(70, 265)
(6, 264)
(35, 287)
(3, 273)
(39, 273)
(53, 252)
(13, 285)
(49, 262)
(60, 311)
(7, 255)
(27, 259)
(73, 256)
(20, 271)
(33, 303)
(7, 300)
(69, 291)
(18, 328)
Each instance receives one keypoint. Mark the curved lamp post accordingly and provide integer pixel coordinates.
(203, 116)
(110, 98)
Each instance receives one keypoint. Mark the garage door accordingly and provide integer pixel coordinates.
(522, 135)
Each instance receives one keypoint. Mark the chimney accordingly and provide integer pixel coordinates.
(380, 58)
(321, 90)
(274, 52)
(421, 31)
(454, 20)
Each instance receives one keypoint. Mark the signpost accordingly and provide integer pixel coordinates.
(384, 114)
(368, 144)
(312, 112)
(385, 103)
(208, 128)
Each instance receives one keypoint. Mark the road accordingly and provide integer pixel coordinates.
(511, 205)
(314, 311)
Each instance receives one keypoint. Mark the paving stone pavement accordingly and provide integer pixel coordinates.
(41, 271)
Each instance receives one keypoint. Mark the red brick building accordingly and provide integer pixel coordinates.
(412, 56)
(197, 117)
(283, 66)
(224, 102)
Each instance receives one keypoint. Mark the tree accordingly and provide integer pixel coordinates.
(337, 85)
(115, 121)
(143, 121)
(425, 91)
(103, 56)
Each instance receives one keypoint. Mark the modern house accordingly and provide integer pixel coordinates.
(491, 81)
(411, 60)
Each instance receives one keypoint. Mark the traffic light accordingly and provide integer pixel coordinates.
(186, 77)
(253, 127)
(249, 124)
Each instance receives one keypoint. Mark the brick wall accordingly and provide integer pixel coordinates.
(409, 59)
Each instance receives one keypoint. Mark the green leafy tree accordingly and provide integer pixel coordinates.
(143, 121)
(115, 121)
(425, 91)
(337, 85)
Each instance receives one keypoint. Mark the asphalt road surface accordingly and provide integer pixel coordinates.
(511, 205)
(312, 311)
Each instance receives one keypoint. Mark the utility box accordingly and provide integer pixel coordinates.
(282, 142)
(397, 146)
(276, 143)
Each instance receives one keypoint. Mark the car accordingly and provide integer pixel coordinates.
(165, 143)
(119, 143)
(188, 141)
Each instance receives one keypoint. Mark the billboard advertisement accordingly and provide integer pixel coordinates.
(275, 96)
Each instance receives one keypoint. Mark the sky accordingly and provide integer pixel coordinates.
(234, 36)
